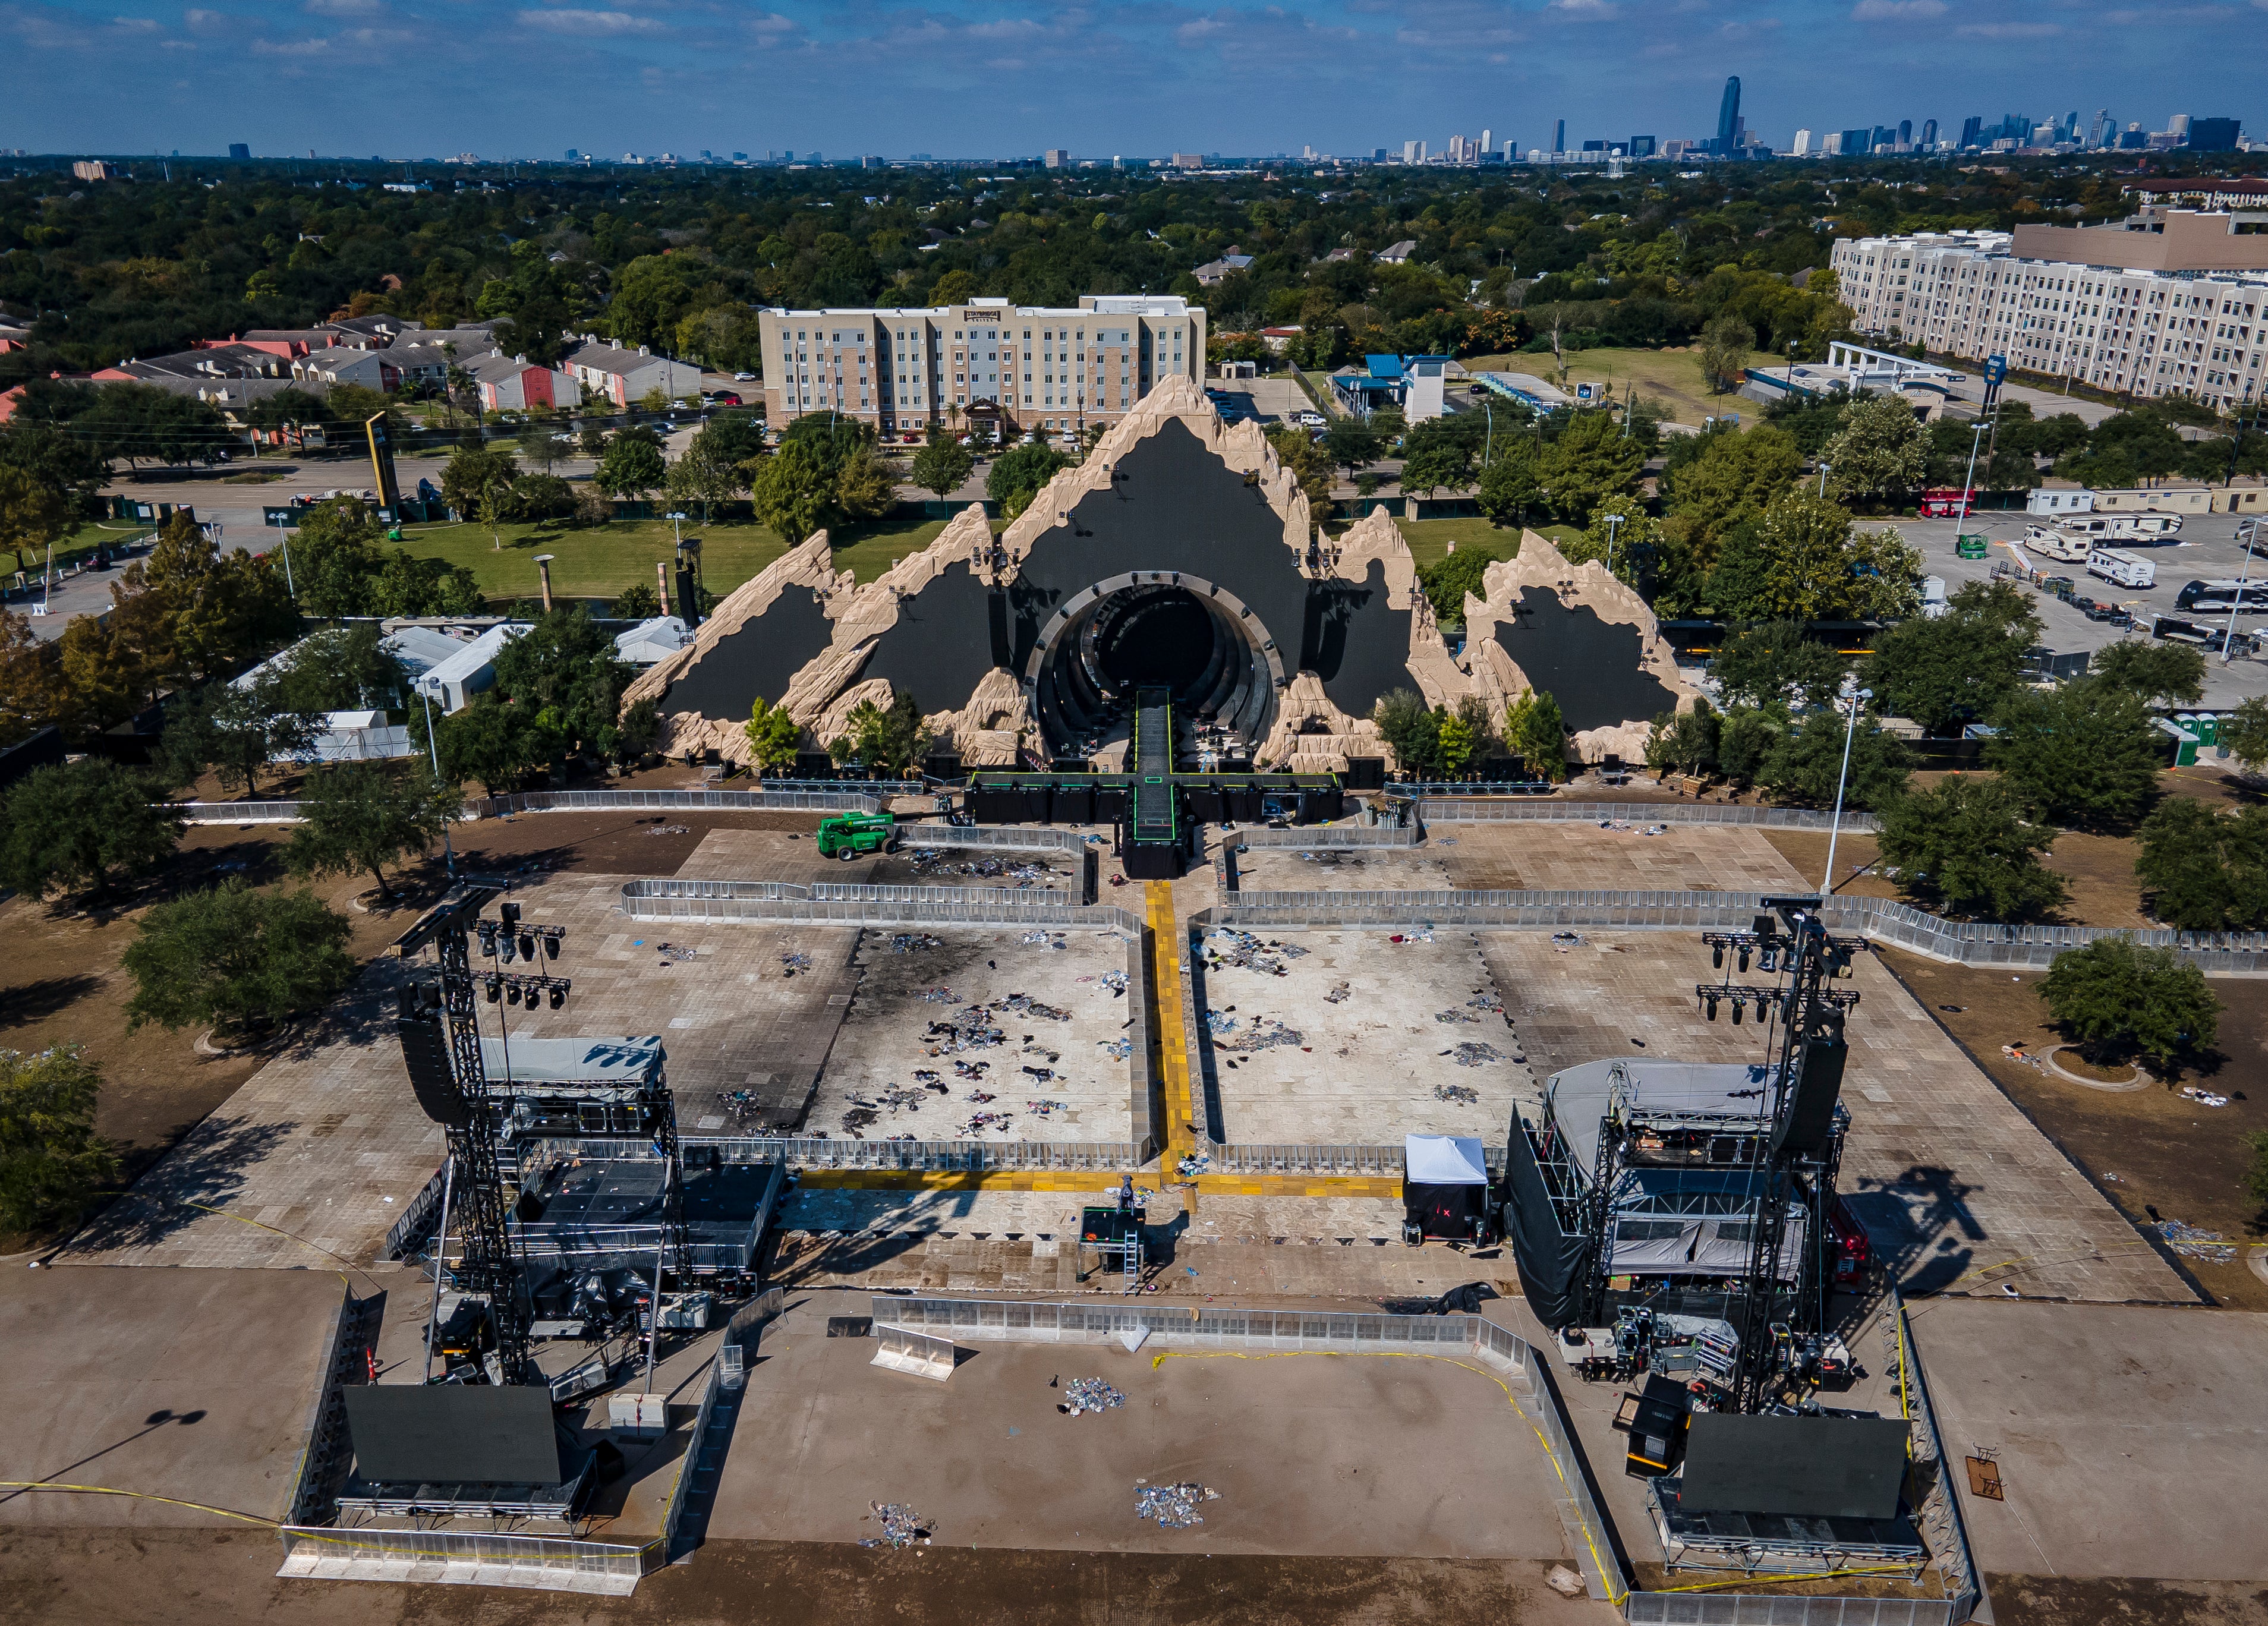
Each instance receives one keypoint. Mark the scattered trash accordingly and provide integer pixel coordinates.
(1085, 1395)
(1042, 1074)
(969, 1029)
(1486, 999)
(924, 1075)
(669, 829)
(978, 1123)
(931, 860)
(1226, 946)
(1565, 940)
(1114, 981)
(1116, 1050)
(1218, 1022)
(1046, 1109)
(1423, 935)
(1655, 829)
(1459, 1094)
(1275, 1035)
(1043, 939)
(2203, 1098)
(1953, 1010)
(2191, 1242)
(1193, 1164)
(902, 1527)
(1024, 1005)
(939, 996)
(676, 951)
(1454, 1016)
(1472, 1054)
(796, 962)
(907, 942)
(1563, 1581)
(1173, 1506)
(1339, 996)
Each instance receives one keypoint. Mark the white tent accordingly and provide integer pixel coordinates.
(1443, 1160)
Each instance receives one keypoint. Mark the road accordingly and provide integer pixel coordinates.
(2206, 548)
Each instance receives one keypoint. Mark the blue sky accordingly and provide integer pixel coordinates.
(529, 78)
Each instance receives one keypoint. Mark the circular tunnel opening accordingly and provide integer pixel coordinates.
(1161, 638)
(1186, 637)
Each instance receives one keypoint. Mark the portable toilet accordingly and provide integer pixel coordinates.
(2206, 726)
(2186, 742)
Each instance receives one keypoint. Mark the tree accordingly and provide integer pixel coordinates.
(1772, 662)
(706, 475)
(32, 513)
(1436, 464)
(31, 694)
(238, 728)
(1456, 744)
(885, 740)
(1804, 762)
(2086, 754)
(866, 486)
(293, 411)
(1350, 444)
(1296, 450)
(1018, 474)
(51, 1159)
(476, 482)
(236, 956)
(1446, 581)
(1725, 346)
(494, 742)
(734, 436)
(1879, 449)
(1810, 567)
(1412, 728)
(2245, 732)
(1591, 464)
(1941, 670)
(2204, 870)
(80, 826)
(943, 465)
(773, 736)
(359, 817)
(564, 670)
(794, 491)
(632, 465)
(2161, 673)
(638, 602)
(1536, 732)
(2115, 995)
(1685, 740)
(1510, 489)
(1727, 478)
(1966, 847)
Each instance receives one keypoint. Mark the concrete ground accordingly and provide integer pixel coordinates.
(1395, 1455)
(194, 1385)
(1353, 869)
(1273, 400)
(1621, 858)
(2206, 550)
(873, 1086)
(325, 1143)
(2128, 1438)
(1953, 1183)
(1388, 1059)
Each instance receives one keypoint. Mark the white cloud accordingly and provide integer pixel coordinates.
(1898, 10)
(289, 48)
(344, 8)
(591, 23)
(1587, 10)
(2009, 31)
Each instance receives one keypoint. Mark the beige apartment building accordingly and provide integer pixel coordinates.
(1021, 368)
(2170, 302)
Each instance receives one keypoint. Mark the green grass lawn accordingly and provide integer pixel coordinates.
(1429, 539)
(599, 563)
(1672, 377)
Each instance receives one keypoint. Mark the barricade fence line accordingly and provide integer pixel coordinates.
(1321, 835)
(774, 901)
(1540, 810)
(423, 1208)
(822, 1152)
(1882, 920)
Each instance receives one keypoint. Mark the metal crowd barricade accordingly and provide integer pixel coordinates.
(423, 1210)
(1319, 837)
(940, 1156)
(951, 906)
(552, 1563)
(1518, 810)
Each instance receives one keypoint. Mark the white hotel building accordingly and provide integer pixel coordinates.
(1024, 367)
(2170, 302)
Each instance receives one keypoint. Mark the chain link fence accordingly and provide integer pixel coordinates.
(1315, 837)
(1543, 810)
(776, 901)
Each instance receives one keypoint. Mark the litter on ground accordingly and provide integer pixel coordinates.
(2193, 1242)
(1459, 1094)
(1472, 1054)
(1084, 1395)
(1226, 946)
(1173, 1506)
(2203, 1098)
(907, 942)
(902, 1527)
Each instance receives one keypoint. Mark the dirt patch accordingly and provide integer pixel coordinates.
(2122, 1601)
(99, 1577)
(2073, 1061)
(2098, 868)
(2144, 1150)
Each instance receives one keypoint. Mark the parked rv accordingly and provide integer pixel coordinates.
(2121, 568)
(2223, 595)
(2057, 542)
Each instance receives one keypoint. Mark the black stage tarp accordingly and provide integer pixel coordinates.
(1807, 1467)
(453, 1434)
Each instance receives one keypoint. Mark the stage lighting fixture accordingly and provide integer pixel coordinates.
(1743, 957)
(1713, 1009)
(506, 951)
(494, 984)
(1739, 1006)
(508, 913)
(558, 995)
(1768, 958)
(487, 929)
(511, 995)
(1717, 955)
(527, 947)
(551, 946)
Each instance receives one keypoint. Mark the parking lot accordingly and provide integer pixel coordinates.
(2205, 549)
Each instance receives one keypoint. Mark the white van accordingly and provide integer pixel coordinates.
(2057, 542)
(2126, 570)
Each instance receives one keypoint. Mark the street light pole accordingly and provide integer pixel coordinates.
(1614, 522)
(2246, 532)
(1824, 468)
(1855, 699)
(1968, 480)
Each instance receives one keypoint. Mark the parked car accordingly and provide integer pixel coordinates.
(724, 397)
(743, 377)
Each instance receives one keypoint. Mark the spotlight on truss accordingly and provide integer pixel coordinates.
(493, 985)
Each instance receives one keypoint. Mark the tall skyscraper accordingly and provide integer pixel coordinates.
(2102, 125)
(1488, 141)
(2178, 125)
(243, 150)
(1803, 147)
(1972, 131)
(1929, 132)
(1905, 132)
(1559, 136)
(1728, 119)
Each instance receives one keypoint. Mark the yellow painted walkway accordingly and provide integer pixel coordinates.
(1179, 1131)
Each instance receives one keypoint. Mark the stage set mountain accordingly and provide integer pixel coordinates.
(1180, 558)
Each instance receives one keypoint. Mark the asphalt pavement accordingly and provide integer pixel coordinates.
(2205, 549)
